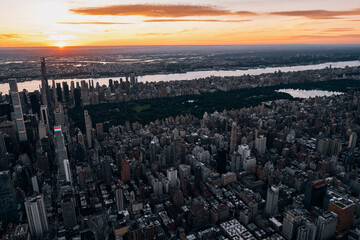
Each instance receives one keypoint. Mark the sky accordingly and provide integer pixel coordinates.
(32, 23)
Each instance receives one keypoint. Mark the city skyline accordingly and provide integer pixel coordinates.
(110, 23)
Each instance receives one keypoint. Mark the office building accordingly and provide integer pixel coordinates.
(307, 231)
(272, 199)
(221, 161)
(36, 216)
(88, 126)
(19, 118)
(248, 163)
(344, 209)
(171, 174)
(60, 149)
(315, 192)
(4, 158)
(326, 226)
(67, 171)
(235, 165)
(352, 140)
(107, 171)
(233, 138)
(291, 222)
(125, 171)
(68, 210)
(119, 198)
(99, 130)
(35, 184)
(260, 144)
(45, 115)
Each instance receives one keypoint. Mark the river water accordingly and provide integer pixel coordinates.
(34, 84)
(300, 93)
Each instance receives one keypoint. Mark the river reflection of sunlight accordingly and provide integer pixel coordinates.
(299, 93)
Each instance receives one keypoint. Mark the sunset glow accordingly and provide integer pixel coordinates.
(60, 44)
(93, 23)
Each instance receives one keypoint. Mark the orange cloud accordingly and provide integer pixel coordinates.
(318, 14)
(167, 33)
(153, 10)
(338, 30)
(194, 20)
(88, 23)
(245, 13)
(9, 36)
(352, 37)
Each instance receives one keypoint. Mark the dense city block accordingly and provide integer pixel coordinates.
(213, 158)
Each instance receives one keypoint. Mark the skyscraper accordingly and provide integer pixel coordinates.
(249, 163)
(65, 87)
(59, 114)
(221, 161)
(45, 91)
(119, 199)
(19, 118)
(272, 198)
(45, 116)
(235, 162)
(326, 226)
(4, 159)
(35, 184)
(99, 130)
(306, 231)
(60, 149)
(198, 176)
(291, 222)
(125, 171)
(352, 140)
(172, 176)
(152, 151)
(68, 210)
(77, 97)
(8, 210)
(67, 170)
(107, 171)
(233, 138)
(88, 126)
(36, 215)
(59, 93)
(260, 144)
(314, 193)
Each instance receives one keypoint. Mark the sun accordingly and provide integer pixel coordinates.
(60, 44)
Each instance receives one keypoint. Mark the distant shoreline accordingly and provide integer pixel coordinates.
(123, 75)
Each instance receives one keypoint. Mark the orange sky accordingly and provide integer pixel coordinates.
(164, 22)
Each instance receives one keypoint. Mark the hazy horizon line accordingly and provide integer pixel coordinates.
(191, 45)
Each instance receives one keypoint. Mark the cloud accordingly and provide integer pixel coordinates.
(9, 36)
(314, 36)
(245, 13)
(153, 10)
(194, 20)
(167, 33)
(100, 23)
(318, 14)
(338, 30)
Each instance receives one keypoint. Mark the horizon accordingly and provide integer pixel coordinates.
(191, 45)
